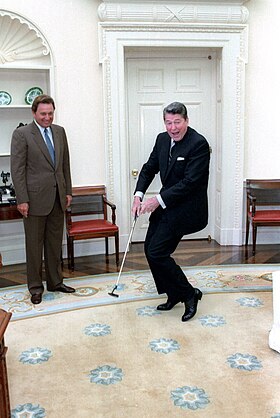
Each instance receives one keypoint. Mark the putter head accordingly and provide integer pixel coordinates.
(112, 293)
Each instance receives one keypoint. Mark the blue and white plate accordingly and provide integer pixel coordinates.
(5, 98)
(31, 94)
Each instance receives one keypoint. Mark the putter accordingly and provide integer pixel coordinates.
(123, 260)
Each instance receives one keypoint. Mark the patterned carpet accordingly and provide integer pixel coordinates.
(137, 285)
(130, 360)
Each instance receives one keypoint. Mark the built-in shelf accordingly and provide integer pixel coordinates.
(25, 63)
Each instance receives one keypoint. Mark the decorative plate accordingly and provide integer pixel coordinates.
(32, 93)
(5, 98)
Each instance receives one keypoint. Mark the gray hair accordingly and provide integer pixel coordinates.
(176, 108)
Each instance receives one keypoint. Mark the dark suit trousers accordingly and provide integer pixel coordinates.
(44, 233)
(161, 241)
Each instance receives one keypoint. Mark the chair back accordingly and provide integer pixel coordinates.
(89, 201)
(264, 192)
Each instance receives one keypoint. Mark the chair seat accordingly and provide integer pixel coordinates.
(87, 227)
(266, 215)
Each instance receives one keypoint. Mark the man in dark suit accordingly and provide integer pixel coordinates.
(40, 170)
(181, 156)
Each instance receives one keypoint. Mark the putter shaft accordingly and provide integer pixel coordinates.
(123, 260)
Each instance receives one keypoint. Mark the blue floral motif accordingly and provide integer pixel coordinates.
(212, 321)
(50, 296)
(35, 355)
(164, 345)
(106, 375)
(276, 416)
(188, 397)
(250, 302)
(244, 362)
(148, 311)
(28, 410)
(97, 330)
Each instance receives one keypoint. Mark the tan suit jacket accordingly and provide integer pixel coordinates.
(35, 179)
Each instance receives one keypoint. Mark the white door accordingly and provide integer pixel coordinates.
(154, 82)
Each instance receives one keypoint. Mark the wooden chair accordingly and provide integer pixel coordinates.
(262, 196)
(87, 218)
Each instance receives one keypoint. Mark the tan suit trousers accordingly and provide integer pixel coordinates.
(44, 234)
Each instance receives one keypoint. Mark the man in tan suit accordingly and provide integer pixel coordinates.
(41, 176)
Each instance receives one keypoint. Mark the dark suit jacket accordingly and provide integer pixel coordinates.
(184, 180)
(35, 179)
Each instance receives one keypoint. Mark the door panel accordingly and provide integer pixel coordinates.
(152, 83)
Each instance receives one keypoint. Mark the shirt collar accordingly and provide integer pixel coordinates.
(42, 129)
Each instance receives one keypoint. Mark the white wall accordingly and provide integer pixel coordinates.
(70, 26)
(262, 136)
(71, 29)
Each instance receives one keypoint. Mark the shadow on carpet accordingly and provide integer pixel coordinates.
(136, 285)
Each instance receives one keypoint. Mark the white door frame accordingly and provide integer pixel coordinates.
(230, 43)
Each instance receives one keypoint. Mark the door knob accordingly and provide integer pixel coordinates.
(134, 172)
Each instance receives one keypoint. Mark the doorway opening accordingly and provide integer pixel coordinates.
(154, 78)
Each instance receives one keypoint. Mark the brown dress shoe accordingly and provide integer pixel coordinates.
(63, 288)
(36, 298)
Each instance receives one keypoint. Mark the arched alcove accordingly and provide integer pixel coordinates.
(26, 63)
(20, 40)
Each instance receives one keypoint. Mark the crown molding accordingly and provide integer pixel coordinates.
(179, 11)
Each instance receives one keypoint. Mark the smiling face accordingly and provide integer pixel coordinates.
(44, 114)
(176, 126)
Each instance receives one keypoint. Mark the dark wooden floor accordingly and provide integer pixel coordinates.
(188, 253)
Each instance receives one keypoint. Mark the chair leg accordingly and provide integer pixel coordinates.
(61, 260)
(117, 248)
(70, 253)
(254, 238)
(107, 249)
(247, 231)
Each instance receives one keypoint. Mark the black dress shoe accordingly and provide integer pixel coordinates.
(36, 298)
(63, 288)
(191, 306)
(167, 306)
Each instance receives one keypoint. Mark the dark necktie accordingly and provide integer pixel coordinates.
(171, 150)
(49, 145)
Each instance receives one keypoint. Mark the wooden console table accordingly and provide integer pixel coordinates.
(5, 410)
(9, 212)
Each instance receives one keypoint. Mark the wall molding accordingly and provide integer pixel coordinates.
(170, 12)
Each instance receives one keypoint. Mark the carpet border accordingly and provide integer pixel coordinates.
(104, 301)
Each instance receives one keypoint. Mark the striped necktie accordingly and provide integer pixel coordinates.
(49, 145)
(172, 147)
